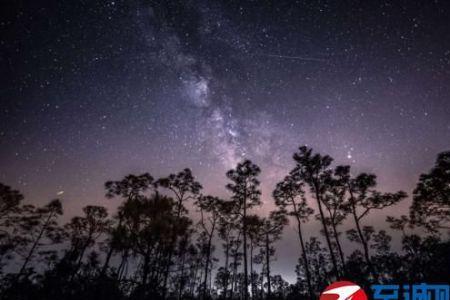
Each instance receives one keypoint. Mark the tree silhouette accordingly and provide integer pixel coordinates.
(254, 230)
(271, 230)
(362, 200)
(279, 287)
(10, 201)
(149, 225)
(184, 187)
(431, 197)
(150, 248)
(246, 195)
(318, 260)
(227, 229)
(426, 259)
(10, 210)
(84, 232)
(213, 207)
(334, 202)
(289, 193)
(129, 188)
(313, 169)
(39, 228)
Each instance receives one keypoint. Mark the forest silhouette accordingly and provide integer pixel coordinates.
(153, 247)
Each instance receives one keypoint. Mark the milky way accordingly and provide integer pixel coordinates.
(94, 91)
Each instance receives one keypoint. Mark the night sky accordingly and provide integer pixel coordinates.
(94, 91)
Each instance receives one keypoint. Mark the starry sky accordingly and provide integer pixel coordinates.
(92, 91)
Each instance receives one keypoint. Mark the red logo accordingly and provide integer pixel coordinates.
(343, 290)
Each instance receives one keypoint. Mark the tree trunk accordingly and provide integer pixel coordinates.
(338, 243)
(107, 259)
(361, 235)
(208, 257)
(304, 256)
(245, 252)
(233, 282)
(81, 256)
(269, 291)
(252, 281)
(182, 280)
(325, 229)
(194, 281)
(363, 241)
(123, 265)
(171, 249)
(145, 269)
(110, 253)
(33, 248)
(225, 289)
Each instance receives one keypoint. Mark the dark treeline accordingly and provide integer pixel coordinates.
(152, 247)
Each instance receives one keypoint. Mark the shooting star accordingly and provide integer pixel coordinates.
(295, 57)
